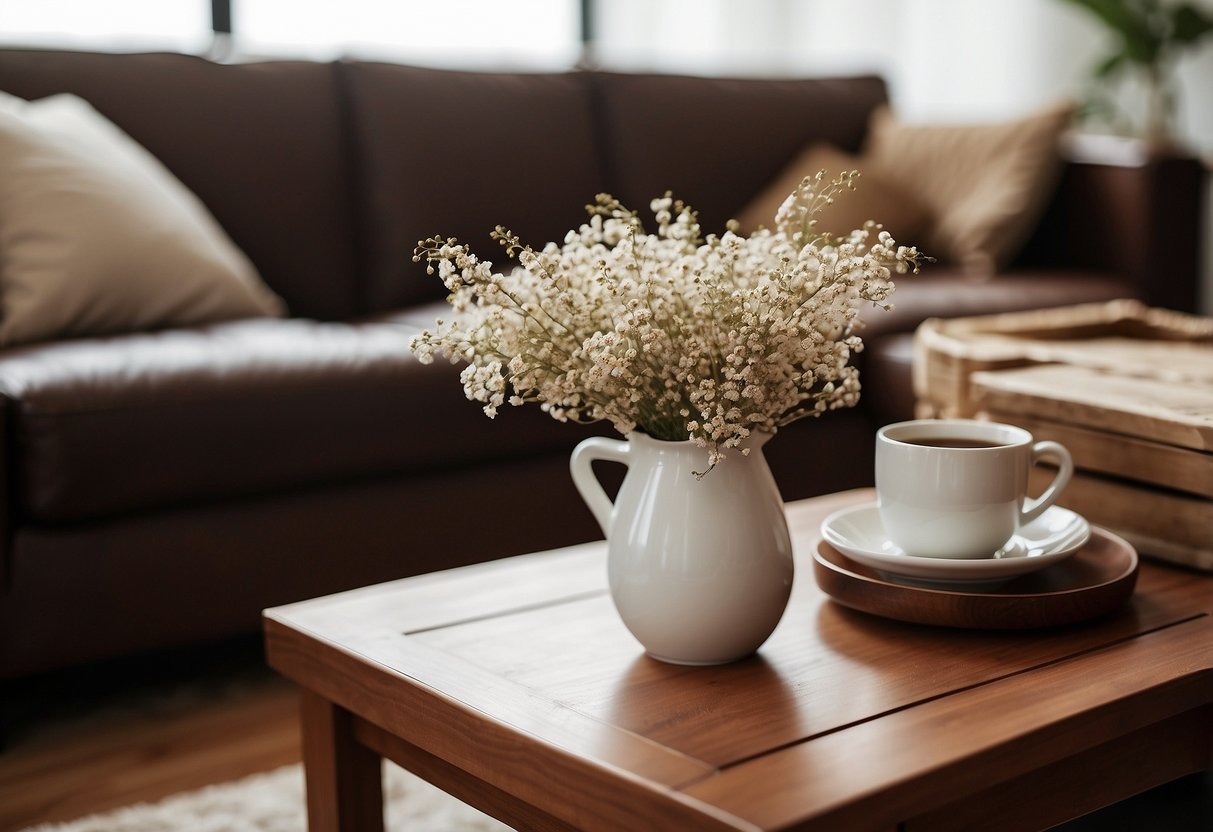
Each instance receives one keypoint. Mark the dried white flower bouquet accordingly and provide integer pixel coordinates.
(674, 334)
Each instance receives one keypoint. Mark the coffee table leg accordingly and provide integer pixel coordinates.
(344, 778)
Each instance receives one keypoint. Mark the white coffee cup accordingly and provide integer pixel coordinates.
(957, 488)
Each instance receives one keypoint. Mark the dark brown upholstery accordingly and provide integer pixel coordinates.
(1140, 219)
(526, 136)
(717, 142)
(296, 403)
(203, 571)
(163, 487)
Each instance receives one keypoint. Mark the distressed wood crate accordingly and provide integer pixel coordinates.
(1124, 336)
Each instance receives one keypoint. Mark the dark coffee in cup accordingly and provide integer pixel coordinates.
(953, 442)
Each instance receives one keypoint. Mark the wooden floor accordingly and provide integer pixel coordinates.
(103, 737)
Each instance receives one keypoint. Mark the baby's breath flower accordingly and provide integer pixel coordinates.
(648, 330)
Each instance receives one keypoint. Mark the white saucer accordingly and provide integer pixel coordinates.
(1051, 538)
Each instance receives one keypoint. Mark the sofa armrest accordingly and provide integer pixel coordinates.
(8, 471)
(1124, 208)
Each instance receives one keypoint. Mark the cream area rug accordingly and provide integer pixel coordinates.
(273, 802)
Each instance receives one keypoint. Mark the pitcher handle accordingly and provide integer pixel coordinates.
(598, 447)
(1065, 469)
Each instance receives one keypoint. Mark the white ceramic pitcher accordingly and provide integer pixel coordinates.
(700, 568)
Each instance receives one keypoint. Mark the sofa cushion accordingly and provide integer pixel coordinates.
(716, 142)
(873, 198)
(261, 144)
(458, 153)
(96, 237)
(103, 427)
(986, 185)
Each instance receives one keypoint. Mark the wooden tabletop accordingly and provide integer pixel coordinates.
(514, 686)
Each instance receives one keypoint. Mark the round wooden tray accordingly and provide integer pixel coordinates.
(1096, 580)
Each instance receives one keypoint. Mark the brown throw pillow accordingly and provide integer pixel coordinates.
(875, 197)
(985, 185)
(98, 237)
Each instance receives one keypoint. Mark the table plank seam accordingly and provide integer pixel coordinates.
(480, 712)
(524, 608)
(1187, 691)
(486, 715)
(373, 734)
(918, 702)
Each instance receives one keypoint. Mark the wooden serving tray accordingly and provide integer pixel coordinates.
(1097, 580)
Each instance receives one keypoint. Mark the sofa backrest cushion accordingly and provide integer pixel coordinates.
(261, 145)
(984, 184)
(717, 142)
(96, 237)
(440, 152)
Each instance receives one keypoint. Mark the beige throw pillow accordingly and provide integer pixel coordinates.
(98, 237)
(874, 198)
(986, 185)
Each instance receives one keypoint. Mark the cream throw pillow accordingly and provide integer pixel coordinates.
(874, 198)
(98, 237)
(986, 185)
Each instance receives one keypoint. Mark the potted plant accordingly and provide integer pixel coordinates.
(1150, 36)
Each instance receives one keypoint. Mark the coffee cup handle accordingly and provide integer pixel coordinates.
(1033, 508)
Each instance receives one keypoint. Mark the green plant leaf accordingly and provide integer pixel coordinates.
(1189, 24)
(1109, 65)
(1132, 22)
(1118, 15)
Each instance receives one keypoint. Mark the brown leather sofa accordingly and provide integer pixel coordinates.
(161, 488)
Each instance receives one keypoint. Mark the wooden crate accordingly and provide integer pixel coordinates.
(1124, 336)
(1129, 390)
(1144, 429)
(1159, 522)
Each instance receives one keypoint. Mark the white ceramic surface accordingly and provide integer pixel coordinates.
(1055, 535)
(952, 502)
(700, 569)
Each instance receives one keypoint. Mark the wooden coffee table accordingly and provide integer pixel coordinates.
(513, 686)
